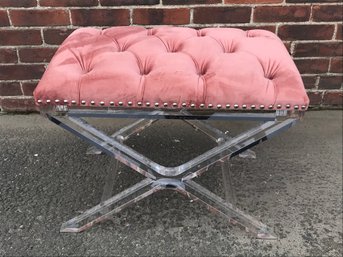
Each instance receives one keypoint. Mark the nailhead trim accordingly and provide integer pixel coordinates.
(165, 104)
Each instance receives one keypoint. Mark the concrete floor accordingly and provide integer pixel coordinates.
(294, 185)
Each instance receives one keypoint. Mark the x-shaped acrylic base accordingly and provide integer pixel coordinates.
(178, 178)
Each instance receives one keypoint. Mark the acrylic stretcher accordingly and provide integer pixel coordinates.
(177, 178)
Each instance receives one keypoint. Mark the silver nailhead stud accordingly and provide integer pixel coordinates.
(219, 106)
(288, 106)
(129, 103)
(112, 103)
(235, 106)
(278, 106)
(270, 106)
(227, 106)
(253, 106)
(210, 105)
(102, 103)
(48, 101)
(147, 104)
(156, 104)
(73, 102)
(165, 104)
(139, 103)
(244, 106)
(120, 103)
(57, 101)
(65, 101)
(303, 107)
(261, 106)
(92, 102)
(184, 104)
(202, 105)
(192, 105)
(39, 101)
(83, 102)
(296, 107)
(174, 104)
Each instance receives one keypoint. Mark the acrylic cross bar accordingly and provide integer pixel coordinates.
(177, 178)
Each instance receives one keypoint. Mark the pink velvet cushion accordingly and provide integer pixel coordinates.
(172, 67)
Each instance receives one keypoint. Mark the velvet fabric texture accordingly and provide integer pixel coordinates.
(172, 67)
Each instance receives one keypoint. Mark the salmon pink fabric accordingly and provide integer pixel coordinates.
(139, 67)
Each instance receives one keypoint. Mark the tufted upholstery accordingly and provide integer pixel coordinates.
(172, 67)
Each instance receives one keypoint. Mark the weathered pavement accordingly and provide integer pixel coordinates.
(294, 185)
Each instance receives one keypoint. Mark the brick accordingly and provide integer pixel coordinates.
(282, 13)
(32, 55)
(315, 98)
(68, 3)
(253, 1)
(51, 17)
(256, 26)
(288, 46)
(309, 81)
(128, 2)
(336, 65)
(21, 72)
(330, 82)
(306, 32)
(222, 15)
(20, 37)
(327, 13)
(100, 17)
(17, 105)
(176, 2)
(312, 66)
(10, 89)
(333, 98)
(177, 16)
(313, 1)
(8, 55)
(4, 21)
(18, 3)
(28, 88)
(318, 49)
(339, 32)
(56, 36)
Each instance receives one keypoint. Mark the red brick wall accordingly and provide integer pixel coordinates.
(31, 30)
